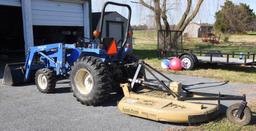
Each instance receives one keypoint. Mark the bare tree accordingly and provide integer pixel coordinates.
(160, 9)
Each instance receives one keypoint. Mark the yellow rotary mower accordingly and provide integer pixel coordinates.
(168, 101)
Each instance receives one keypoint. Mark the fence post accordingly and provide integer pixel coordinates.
(211, 58)
(253, 58)
(227, 58)
(245, 59)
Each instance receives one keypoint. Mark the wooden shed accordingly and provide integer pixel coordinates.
(196, 30)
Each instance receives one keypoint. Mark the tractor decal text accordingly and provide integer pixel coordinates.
(130, 111)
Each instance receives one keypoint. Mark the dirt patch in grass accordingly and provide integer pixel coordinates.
(243, 39)
(246, 90)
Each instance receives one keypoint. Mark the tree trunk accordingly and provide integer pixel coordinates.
(192, 16)
(165, 20)
(158, 22)
(158, 14)
(164, 15)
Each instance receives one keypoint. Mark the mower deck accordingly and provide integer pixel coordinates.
(158, 106)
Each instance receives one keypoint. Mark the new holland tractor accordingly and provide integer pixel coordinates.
(95, 68)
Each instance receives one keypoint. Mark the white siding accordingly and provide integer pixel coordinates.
(10, 2)
(192, 30)
(54, 13)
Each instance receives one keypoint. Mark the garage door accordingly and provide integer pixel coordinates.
(54, 13)
(10, 2)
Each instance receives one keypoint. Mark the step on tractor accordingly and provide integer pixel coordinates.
(97, 67)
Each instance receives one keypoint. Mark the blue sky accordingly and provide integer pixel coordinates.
(142, 15)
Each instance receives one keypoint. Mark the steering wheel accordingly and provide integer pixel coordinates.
(84, 42)
(120, 42)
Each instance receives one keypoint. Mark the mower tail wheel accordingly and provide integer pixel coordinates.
(45, 80)
(245, 118)
(91, 81)
(187, 62)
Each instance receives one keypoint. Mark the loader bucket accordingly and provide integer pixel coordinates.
(14, 74)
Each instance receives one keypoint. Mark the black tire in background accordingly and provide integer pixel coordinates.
(91, 81)
(246, 115)
(196, 60)
(45, 80)
(188, 62)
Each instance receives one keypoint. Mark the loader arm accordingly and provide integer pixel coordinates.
(52, 55)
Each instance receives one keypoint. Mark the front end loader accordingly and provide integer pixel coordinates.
(57, 57)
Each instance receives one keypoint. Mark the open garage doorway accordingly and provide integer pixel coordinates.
(12, 47)
(56, 34)
(11, 34)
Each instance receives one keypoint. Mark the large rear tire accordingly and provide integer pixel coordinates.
(45, 80)
(90, 81)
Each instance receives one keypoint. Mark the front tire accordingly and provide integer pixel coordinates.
(45, 80)
(90, 81)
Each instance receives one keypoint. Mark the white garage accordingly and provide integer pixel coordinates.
(56, 13)
(43, 22)
(10, 2)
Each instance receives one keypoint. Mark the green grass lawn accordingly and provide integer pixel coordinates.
(146, 44)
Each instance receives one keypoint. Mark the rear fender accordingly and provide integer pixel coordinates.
(72, 55)
(103, 57)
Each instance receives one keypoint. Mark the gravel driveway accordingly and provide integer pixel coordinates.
(24, 108)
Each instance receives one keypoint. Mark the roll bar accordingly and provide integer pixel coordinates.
(103, 15)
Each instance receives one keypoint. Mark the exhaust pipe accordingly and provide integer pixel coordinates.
(14, 74)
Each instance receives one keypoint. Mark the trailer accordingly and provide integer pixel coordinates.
(170, 43)
(192, 57)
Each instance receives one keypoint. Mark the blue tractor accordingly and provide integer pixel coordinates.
(95, 68)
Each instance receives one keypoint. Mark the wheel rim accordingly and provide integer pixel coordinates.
(186, 63)
(84, 81)
(236, 118)
(42, 81)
